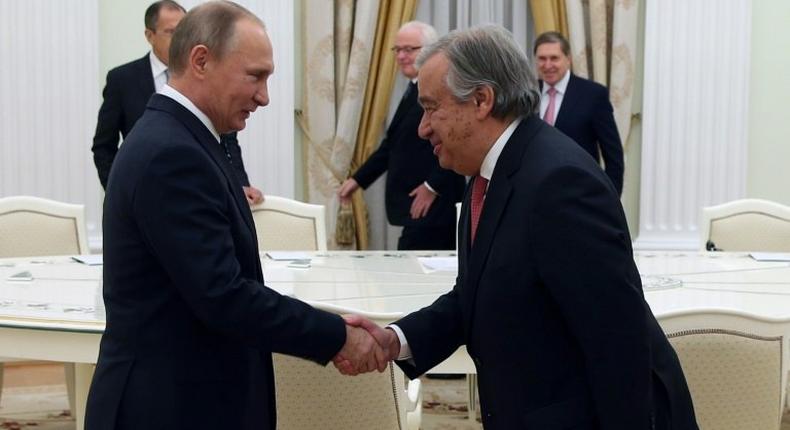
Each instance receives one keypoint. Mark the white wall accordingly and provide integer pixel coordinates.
(768, 174)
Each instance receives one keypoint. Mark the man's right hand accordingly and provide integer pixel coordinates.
(385, 337)
(360, 354)
(349, 186)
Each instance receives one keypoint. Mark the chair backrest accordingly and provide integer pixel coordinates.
(311, 396)
(735, 367)
(289, 225)
(32, 226)
(746, 225)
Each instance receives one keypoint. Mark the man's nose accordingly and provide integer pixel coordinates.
(424, 129)
(262, 96)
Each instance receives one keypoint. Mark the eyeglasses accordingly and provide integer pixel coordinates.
(405, 49)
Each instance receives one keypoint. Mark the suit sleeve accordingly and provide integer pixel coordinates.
(583, 254)
(374, 166)
(609, 140)
(108, 128)
(192, 237)
(232, 140)
(433, 333)
(445, 182)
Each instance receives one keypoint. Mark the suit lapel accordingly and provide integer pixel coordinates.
(408, 100)
(497, 197)
(569, 100)
(146, 77)
(210, 145)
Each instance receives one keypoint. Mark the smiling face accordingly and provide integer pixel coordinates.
(447, 123)
(160, 37)
(408, 42)
(238, 82)
(553, 64)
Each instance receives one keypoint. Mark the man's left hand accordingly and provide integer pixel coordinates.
(423, 199)
(254, 195)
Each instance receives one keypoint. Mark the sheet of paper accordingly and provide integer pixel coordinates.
(440, 264)
(288, 255)
(770, 256)
(90, 260)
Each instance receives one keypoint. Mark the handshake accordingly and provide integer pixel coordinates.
(368, 347)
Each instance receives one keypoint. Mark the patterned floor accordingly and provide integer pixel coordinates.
(35, 402)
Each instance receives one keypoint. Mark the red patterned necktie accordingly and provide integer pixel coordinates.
(478, 194)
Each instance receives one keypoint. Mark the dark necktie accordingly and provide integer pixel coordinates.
(478, 196)
(225, 148)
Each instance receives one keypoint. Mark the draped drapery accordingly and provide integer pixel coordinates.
(603, 37)
(549, 15)
(392, 15)
(337, 55)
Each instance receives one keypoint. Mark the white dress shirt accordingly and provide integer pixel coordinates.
(158, 69)
(486, 171)
(561, 86)
(181, 99)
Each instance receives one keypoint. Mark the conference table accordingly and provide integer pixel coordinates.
(51, 308)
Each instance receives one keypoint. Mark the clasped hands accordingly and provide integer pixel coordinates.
(368, 347)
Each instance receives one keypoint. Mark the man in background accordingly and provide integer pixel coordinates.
(548, 299)
(578, 107)
(420, 195)
(191, 326)
(130, 86)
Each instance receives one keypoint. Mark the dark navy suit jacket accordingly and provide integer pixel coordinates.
(409, 161)
(190, 324)
(586, 117)
(126, 93)
(549, 302)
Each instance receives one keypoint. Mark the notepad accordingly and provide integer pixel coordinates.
(288, 255)
(440, 264)
(770, 256)
(89, 260)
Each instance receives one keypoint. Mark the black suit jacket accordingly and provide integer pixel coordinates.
(586, 116)
(126, 93)
(190, 323)
(409, 161)
(548, 301)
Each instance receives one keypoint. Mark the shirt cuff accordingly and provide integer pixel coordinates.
(405, 351)
(428, 186)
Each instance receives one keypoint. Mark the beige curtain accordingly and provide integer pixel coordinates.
(392, 14)
(336, 57)
(549, 15)
(603, 36)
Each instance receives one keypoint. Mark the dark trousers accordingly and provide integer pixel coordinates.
(419, 238)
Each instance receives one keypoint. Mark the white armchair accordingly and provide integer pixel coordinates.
(310, 396)
(746, 225)
(735, 365)
(289, 225)
(32, 226)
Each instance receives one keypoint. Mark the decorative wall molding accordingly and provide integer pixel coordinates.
(695, 115)
(50, 98)
(51, 91)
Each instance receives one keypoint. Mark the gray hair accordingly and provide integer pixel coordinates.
(429, 34)
(488, 56)
(212, 24)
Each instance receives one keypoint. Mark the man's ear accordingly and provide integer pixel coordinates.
(198, 60)
(483, 98)
(149, 34)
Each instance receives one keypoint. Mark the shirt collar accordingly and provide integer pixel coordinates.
(561, 86)
(181, 99)
(157, 66)
(487, 168)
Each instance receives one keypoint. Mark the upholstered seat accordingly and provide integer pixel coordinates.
(735, 366)
(288, 225)
(311, 396)
(746, 225)
(32, 226)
